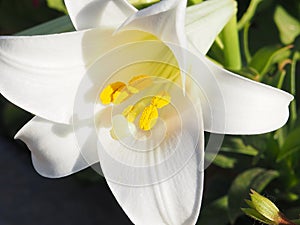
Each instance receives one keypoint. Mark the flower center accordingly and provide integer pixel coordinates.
(147, 107)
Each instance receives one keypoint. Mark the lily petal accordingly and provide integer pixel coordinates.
(165, 20)
(157, 178)
(250, 107)
(41, 74)
(54, 148)
(86, 14)
(204, 22)
(174, 200)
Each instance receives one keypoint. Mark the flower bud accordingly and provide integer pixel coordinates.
(265, 211)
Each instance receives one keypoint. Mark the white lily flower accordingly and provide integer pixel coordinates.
(52, 76)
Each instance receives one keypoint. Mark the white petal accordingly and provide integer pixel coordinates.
(174, 197)
(204, 22)
(157, 177)
(86, 14)
(164, 19)
(41, 74)
(250, 107)
(54, 148)
(175, 201)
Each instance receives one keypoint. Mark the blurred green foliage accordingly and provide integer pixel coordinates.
(270, 49)
(269, 43)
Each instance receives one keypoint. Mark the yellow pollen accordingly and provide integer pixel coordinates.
(148, 118)
(112, 92)
(120, 96)
(132, 111)
(161, 100)
(118, 92)
(149, 108)
(139, 83)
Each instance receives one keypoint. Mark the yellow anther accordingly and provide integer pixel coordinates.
(161, 100)
(132, 111)
(120, 96)
(112, 92)
(139, 83)
(148, 118)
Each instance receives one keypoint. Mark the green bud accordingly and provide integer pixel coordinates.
(265, 211)
(264, 206)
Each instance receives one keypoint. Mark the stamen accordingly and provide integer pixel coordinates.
(150, 113)
(132, 111)
(148, 118)
(161, 100)
(118, 92)
(139, 83)
(120, 96)
(112, 92)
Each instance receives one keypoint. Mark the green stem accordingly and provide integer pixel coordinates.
(249, 13)
(246, 43)
(293, 88)
(281, 79)
(231, 43)
(279, 136)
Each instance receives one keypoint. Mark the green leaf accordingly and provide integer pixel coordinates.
(215, 213)
(291, 145)
(256, 178)
(237, 145)
(221, 160)
(266, 57)
(288, 26)
(59, 25)
(58, 5)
